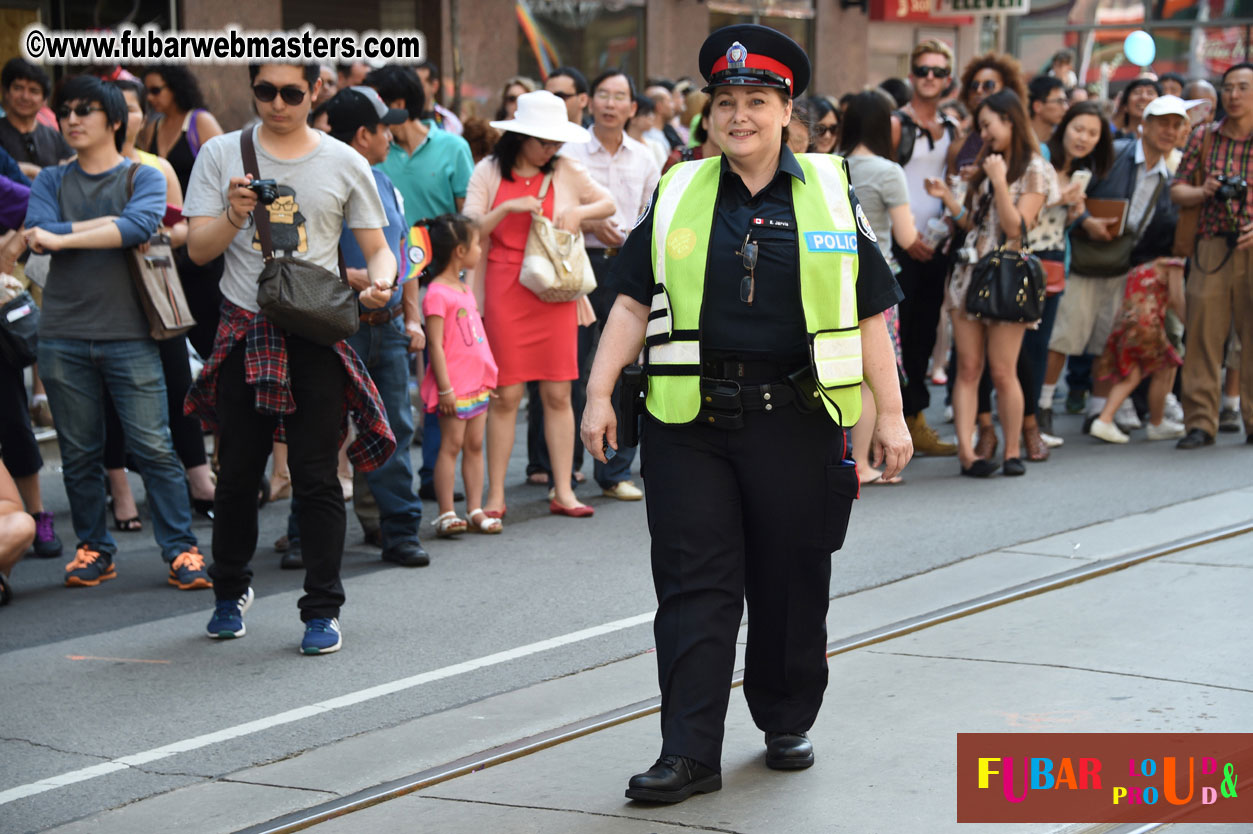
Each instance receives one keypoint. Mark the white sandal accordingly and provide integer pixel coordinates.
(448, 524)
(487, 524)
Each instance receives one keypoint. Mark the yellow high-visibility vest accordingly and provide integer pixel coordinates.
(827, 239)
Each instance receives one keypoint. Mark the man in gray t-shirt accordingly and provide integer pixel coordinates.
(261, 379)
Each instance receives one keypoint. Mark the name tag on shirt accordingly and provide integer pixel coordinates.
(842, 242)
(772, 223)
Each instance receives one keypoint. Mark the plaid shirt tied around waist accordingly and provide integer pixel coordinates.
(265, 369)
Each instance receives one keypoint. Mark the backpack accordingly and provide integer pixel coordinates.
(909, 135)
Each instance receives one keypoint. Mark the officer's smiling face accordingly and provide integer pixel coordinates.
(747, 122)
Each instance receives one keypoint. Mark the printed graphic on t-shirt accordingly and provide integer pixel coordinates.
(469, 333)
(287, 224)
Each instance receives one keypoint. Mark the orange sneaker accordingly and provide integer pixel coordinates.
(89, 568)
(187, 571)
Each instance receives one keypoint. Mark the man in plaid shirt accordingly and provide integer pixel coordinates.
(1220, 285)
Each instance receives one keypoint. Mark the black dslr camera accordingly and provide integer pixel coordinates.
(266, 190)
(1231, 188)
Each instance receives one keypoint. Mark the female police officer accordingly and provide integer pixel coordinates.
(754, 284)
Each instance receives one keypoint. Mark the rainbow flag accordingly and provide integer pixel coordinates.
(418, 249)
(541, 47)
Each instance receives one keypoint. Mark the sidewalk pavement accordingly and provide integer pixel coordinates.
(1161, 646)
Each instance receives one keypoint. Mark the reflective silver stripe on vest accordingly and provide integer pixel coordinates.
(675, 353)
(841, 215)
(667, 204)
(838, 358)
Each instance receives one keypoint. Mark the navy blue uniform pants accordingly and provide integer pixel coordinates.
(750, 514)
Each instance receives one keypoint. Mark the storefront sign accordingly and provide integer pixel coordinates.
(910, 11)
(950, 8)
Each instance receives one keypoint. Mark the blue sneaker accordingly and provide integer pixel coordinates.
(321, 636)
(227, 621)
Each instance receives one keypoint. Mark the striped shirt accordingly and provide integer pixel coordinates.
(1229, 157)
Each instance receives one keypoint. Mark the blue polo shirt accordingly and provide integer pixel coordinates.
(394, 232)
(433, 177)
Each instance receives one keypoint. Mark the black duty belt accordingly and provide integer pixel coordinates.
(719, 368)
(724, 401)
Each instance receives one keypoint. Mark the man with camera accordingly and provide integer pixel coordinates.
(263, 383)
(1220, 285)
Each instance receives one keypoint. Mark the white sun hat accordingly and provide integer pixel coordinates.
(542, 115)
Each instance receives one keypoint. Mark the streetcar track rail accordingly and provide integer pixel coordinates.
(538, 742)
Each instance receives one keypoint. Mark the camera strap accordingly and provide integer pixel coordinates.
(261, 214)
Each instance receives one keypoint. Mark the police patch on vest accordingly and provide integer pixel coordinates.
(841, 242)
(680, 243)
(864, 224)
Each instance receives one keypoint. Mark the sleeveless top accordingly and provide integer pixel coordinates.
(181, 157)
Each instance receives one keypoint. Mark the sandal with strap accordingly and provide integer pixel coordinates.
(449, 525)
(485, 524)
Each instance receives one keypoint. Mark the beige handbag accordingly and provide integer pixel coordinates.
(555, 265)
(156, 280)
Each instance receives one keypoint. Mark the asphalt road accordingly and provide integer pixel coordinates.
(90, 675)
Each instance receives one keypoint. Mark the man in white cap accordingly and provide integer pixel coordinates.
(1094, 291)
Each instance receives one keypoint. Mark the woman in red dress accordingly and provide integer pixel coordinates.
(532, 339)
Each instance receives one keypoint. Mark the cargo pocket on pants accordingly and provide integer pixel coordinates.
(842, 489)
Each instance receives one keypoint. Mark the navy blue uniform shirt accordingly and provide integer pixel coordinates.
(774, 326)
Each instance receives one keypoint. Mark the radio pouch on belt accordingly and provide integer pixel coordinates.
(630, 405)
(720, 404)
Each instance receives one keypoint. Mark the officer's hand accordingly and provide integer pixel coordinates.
(892, 447)
(600, 423)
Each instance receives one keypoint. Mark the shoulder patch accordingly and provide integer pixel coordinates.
(647, 207)
(864, 224)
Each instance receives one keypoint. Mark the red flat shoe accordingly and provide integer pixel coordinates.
(582, 511)
(496, 513)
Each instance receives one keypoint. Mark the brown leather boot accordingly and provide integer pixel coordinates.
(985, 441)
(926, 441)
(1033, 444)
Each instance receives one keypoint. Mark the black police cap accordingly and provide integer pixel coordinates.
(748, 54)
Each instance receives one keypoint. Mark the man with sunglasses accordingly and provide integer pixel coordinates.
(24, 88)
(570, 85)
(262, 383)
(923, 134)
(94, 336)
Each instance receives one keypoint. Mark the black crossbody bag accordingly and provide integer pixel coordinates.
(299, 296)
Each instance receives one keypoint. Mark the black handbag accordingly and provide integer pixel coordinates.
(296, 295)
(1008, 285)
(19, 330)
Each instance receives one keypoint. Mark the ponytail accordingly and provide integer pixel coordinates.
(446, 232)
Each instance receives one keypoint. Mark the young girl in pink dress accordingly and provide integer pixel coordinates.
(461, 374)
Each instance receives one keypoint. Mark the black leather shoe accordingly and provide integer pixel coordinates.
(292, 558)
(788, 751)
(1195, 439)
(1014, 467)
(673, 779)
(407, 555)
(427, 493)
(980, 468)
